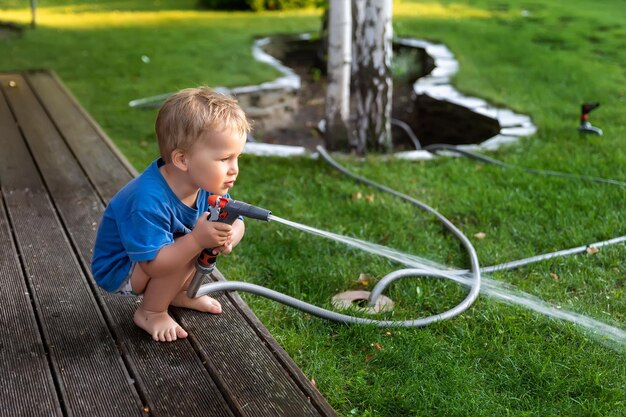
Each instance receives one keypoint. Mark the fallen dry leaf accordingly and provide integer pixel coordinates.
(480, 235)
(357, 195)
(554, 276)
(592, 250)
(364, 279)
(315, 101)
(369, 198)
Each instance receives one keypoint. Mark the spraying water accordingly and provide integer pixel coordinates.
(504, 292)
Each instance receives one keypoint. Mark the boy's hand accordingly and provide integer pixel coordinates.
(225, 249)
(237, 234)
(211, 234)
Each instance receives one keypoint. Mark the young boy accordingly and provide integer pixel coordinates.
(156, 226)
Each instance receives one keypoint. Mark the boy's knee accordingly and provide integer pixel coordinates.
(183, 271)
(138, 279)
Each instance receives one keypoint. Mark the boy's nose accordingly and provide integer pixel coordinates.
(234, 168)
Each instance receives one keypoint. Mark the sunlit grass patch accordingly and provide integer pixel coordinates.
(70, 18)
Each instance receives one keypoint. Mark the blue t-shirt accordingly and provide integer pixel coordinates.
(141, 218)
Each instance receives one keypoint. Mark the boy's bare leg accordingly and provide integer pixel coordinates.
(203, 303)
(149, 315)
(158, 292)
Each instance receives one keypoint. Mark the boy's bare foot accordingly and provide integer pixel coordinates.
(204, 303)
(160, 325)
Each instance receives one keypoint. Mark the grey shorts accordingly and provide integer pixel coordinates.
(126, 287)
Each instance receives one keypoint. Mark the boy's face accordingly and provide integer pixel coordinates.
(213, 161)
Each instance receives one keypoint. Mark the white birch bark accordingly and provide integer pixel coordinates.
(373, 83)
(338, 73)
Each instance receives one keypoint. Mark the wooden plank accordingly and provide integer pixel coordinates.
(91, 377)
(311, 392)
(26, 383)
(245, 364)
(270, 388)
(165, 373)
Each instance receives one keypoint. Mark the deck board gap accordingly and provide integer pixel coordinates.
(58, 387)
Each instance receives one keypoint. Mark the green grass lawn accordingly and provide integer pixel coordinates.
(542, 58)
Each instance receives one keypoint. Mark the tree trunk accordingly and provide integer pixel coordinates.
(33, 12)
(372, 74)
(338, 74)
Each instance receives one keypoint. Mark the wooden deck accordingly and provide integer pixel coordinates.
(70, 349)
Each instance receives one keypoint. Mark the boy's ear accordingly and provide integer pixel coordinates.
(179, 160)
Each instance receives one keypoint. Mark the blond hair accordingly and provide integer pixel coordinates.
(188, 114)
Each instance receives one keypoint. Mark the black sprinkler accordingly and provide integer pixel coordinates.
(585, 126)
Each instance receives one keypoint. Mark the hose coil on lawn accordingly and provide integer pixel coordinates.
(383, 283)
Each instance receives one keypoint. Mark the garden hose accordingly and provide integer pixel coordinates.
(479, 157)
(522, 262)
(475, 269)
(380, 287)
